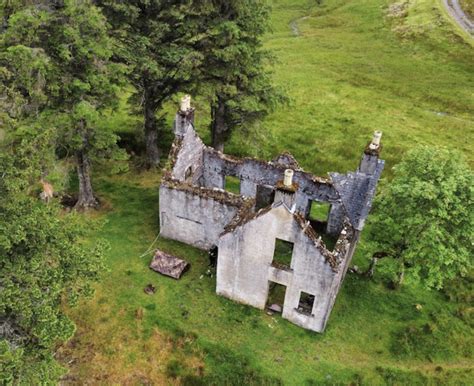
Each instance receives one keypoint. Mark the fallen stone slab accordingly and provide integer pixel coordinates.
(275, 308)
(168, 265)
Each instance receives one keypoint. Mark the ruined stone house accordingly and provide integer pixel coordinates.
(285, 240)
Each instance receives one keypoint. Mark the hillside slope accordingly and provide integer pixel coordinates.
(350, 67)
(358, 66)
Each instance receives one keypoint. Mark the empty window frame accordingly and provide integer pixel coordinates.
(318, 210)
(282, 254)
(306, 303)
(232, 184)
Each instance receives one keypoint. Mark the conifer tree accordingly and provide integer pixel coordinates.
(157, 41)
(235, 66)
(55, 66)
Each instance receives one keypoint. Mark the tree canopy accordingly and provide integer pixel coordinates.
(235, 68)
(424, 219)
(209, 47)
(156, 40)
(55, 66)
(44, 265)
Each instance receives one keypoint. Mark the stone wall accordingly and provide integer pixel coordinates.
(253, 173)
(188, 164)
(195, 216)
(245, 267)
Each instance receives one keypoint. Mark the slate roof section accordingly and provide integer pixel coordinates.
(168, 265)
(357, 191)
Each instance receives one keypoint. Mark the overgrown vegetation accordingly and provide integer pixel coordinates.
(350, 68)
(423, 222)
(45, 264)
(468, 8)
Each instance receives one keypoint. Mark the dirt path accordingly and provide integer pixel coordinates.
(455, 10)
(294, 25)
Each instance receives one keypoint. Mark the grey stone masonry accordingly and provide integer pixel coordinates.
(274, 205)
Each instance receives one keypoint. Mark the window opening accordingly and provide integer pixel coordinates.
(265, 197)
(232, 184)
(282, 254)
(306, 303)
(189, 173)
(319, 211)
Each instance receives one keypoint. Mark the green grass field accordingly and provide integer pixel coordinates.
(349, 70)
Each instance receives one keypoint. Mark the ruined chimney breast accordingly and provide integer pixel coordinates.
(370, 158)
(184, 117)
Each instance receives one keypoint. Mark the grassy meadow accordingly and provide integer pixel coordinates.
(350, 67)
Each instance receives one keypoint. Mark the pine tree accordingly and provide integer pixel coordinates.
(235, 67)
(157, 41)
(55, 66)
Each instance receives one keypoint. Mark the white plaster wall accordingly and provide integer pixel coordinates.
(192, 219)
(244, 267)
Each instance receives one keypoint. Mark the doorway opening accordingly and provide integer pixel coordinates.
(276, 297)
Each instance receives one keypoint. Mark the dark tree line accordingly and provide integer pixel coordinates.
(212, 48)
(63, 64)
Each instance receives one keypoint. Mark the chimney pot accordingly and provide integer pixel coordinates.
(185, 104)
(288, 180)
(376, 140)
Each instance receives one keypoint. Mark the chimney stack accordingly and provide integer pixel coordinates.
(375, 144)
(286, 189)
(184, 117)
(370, 158)
(185, 104)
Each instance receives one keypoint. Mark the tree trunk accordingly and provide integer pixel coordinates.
(401, 276)
(151, 133)
(218, 125)
(373, 263)
(370, 272)
(86, 197)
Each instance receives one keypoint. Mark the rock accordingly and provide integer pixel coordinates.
(275, 308)
(150, 289)
(168, 265)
